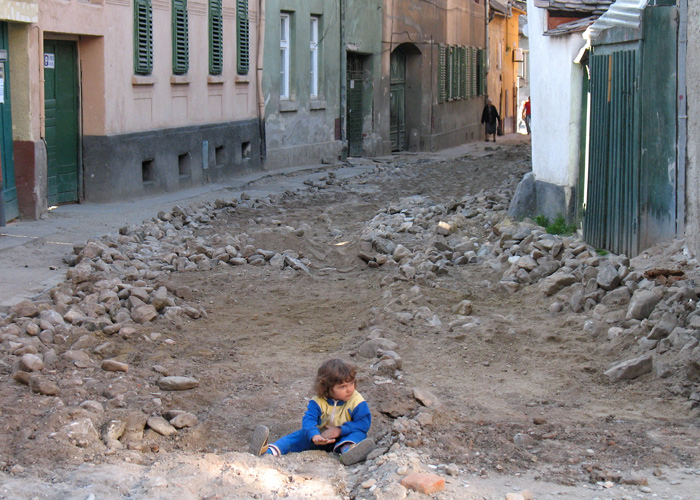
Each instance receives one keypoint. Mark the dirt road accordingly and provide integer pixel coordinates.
(485, 384)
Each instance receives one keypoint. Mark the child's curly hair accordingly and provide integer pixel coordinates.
(332, 373)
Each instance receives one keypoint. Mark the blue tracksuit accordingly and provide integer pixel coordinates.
(352, 416)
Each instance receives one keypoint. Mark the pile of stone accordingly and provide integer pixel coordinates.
(655, 321)
(655, 326)
(424, 239)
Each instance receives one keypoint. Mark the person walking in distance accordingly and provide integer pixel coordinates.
(490, 118)
(527, 115)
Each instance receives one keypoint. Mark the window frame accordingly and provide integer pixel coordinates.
(180, 37)
(285, 55)
(314, 24)
(143, 37)
(242, 37)
(216, 37)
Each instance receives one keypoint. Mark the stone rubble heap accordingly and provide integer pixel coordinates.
(654, 322)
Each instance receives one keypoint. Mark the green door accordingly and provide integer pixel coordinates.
(354, 92)
(9, 191)
(397, 103)
(61, 104)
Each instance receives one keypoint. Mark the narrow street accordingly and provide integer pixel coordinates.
(484, 347)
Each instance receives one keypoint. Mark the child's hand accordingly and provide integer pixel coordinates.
(319, 440)
(331, 433)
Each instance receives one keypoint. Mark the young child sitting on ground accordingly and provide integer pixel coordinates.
(337, 419)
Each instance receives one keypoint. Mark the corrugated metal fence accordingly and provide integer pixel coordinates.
(612, 211)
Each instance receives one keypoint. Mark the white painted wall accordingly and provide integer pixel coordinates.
(692, 228)
(555, 91)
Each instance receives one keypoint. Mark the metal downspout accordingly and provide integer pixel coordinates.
(343, 82)
(487, 63)
(259, 76)
(682, 100)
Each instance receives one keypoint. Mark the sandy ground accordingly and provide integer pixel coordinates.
(523, 370)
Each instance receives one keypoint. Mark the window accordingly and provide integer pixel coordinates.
(243, 37)
(181, 49)
(216, 46)
(313, 51)
(284, 56)
(461, 72)
(479, 68)
(143, 37)
(464, 70)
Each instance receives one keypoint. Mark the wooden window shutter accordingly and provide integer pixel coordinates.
(455, 72)
(468, 71)
(475, 63)
(216, 36)
(181, 49)
(442, 77)
(449, 72)
(243, 37)
(481, 70)
(463, 60)
(143, 37)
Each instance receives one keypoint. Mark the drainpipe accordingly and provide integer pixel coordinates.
(343, 81)
(259, 77)
(682, 99)
(487, 63)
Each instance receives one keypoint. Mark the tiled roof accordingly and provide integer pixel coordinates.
(571, 27)
(592, 7)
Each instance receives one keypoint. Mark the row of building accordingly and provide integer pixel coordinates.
(104, 100)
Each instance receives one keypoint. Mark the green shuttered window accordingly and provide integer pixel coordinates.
(464, 74)
(461, 72)
(216, 38)
(181, 49)
(442, 77)
(143, 37)
(243, 37)
(480, 70)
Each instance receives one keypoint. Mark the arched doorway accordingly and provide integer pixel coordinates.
(404, 77)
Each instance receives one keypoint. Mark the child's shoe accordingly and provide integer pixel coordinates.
(357, 453)
(258, 442)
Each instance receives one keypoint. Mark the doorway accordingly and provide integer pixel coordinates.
(62, 133)
(397, 104)
(355, 91)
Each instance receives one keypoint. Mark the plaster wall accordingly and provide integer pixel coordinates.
(555, 90)
(162, 99)
(692, 222)
(26, 52)
(115, 100)
(24, 11)
(301, 129)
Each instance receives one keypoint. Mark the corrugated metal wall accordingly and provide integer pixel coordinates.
(631, 189)
(612, 211)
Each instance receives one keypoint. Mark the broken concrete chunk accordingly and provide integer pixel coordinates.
(631, 369)
(176, 383)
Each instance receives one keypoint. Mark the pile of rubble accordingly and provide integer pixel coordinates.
(651, 317)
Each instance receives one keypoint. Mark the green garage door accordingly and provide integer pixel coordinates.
(61, 104)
